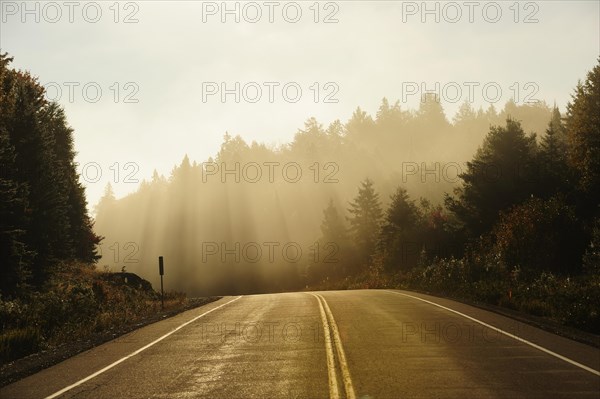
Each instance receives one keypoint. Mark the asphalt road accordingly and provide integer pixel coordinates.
(342, 344)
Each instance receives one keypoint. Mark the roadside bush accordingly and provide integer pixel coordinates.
(569, 301)
(76, 302)
(540, 235)
(577, 303)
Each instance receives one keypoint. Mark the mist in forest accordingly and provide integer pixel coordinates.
(249, 219)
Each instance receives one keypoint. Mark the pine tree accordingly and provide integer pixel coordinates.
(35, 162)
(465, 115)
(583, 130)
(365, 219)
(402, 215)
(335, 130)
(44, 215)
(333, 228)
(360, 126)
(399, 235)
(491, 117)
(15, 257)
(107, 201)
(431, 110)
(331, 252)
(555, 175)
(502, 173)
(311, 140)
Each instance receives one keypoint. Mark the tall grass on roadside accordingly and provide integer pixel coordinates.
(76, 303)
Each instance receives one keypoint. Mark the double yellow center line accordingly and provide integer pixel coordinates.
(332, 340)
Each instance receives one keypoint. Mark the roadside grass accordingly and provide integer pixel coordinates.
(75, 304)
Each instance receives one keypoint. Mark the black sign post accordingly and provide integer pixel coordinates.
(161, 270)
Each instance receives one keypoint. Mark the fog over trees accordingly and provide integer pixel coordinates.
(503, 192)
(401, 186)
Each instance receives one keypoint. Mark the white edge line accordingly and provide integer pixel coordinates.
(342, 355)
(121, 360)
(548, 351)
(333, 385)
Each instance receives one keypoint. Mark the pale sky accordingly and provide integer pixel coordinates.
(172, 52)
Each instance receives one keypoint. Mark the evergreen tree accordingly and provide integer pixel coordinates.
(331, 251)
(336, 129)
(429, 129)
(492, 115)
(400, 240)
(555, 174)
(333, 228)
(389, 118)
(583, 130)
(557, 124)
(533, 116)
(465, 115)
(107, 201)
(365, 219)
(232, 150)
(36, 161)
(431, 111)
(360, 126)
(310, 141)
(15, 257)
(44, 215)
(502, 173)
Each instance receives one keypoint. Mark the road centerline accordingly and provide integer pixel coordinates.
(330, 327)
(332, 377)
(341, 353)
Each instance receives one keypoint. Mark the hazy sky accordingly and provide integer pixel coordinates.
(172, 56)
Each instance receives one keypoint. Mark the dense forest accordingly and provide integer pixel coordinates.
(507, 193)
(43, 209)
(493, 205)
(51, 292)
